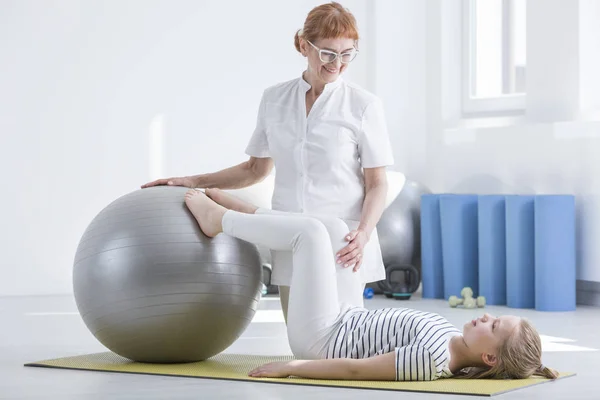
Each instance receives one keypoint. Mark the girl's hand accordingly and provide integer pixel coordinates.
(271, 370)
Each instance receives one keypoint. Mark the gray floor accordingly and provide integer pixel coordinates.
(37, 328)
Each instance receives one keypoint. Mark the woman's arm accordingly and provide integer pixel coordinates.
(376, 187)
(380, 368)
(239, 176)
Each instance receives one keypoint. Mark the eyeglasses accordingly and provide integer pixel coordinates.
(328, 56)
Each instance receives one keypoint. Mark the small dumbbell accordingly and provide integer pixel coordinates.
(470, 303)
(481, 301)
(454, 301)
(466, 293)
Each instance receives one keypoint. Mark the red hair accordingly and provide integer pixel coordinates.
(327, 21)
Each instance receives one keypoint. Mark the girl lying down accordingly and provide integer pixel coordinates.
(332, 340)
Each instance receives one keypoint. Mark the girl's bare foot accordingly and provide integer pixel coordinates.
(230, 201)
(208, 213)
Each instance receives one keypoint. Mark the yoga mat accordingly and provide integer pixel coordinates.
(520, 250)
(458, 215)
(236, 367)
(555, 253)
(492, 249)
(432, 274)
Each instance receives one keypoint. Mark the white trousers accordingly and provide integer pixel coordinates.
(371, 269)
(320, 290)
(350, 295)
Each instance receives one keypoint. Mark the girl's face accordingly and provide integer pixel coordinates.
(486, 334)
(319, 68)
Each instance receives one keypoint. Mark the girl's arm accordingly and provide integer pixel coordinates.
(380, 368)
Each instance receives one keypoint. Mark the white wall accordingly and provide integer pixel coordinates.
(589, 13)
(548, 150)
(399, 78)
(81, 83)
(553, 91)
(559, 158)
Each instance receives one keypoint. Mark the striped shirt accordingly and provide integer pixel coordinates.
(420, 340)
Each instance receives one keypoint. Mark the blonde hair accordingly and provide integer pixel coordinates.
(519, 357)
(327, 21)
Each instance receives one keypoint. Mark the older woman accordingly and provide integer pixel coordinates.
(328, 141)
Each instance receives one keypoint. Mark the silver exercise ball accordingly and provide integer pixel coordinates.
(399, 228)
(151, 287)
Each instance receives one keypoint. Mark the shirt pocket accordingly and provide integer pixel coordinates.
(281, 127)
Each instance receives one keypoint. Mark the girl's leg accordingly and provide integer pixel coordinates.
(313, 304)
(281, 260)
(313, 308)
(349, 286)
(350, 290)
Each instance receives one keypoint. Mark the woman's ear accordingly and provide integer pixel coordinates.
(303, 47)
(489, 359)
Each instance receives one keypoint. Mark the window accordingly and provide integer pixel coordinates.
(494, 60)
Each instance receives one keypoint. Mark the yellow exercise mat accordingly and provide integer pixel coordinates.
(237, 366)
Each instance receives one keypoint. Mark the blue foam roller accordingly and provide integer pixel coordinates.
(492, 249)
(520, 259)
(432, 274)
(459, 243)
(555, 253)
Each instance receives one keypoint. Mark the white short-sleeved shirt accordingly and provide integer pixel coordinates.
(319, 158)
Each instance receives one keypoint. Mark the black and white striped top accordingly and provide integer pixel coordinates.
(420, 340)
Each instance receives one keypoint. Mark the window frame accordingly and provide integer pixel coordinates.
(478, 105)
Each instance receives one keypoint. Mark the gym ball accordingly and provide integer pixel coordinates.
(399, 228)
(399, 231)
(151, 287)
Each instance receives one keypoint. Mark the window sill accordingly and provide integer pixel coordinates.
(467, 130)
(493, 121)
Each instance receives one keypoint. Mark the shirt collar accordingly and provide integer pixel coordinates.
(328, 87)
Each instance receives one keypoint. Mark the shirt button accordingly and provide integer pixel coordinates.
(301, 174)
(302, 210)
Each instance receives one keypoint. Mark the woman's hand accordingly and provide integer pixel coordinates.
(186, 181)
(353, 253)
(272, 370)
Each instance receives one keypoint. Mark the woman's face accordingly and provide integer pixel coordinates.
(326, 72)
(485, 335)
